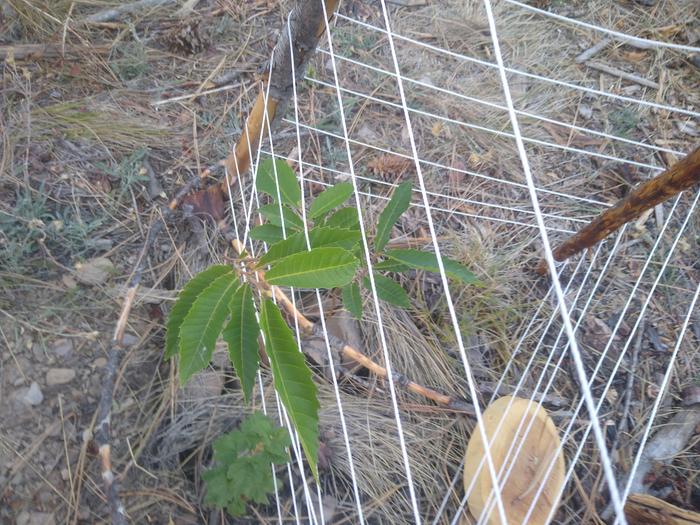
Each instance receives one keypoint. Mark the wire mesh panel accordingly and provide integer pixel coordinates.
(515, 126)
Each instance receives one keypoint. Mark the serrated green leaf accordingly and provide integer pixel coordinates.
(267, 233)
(344, 218)
(428, 261)
(390, 265)
(352, 300)
(398, 204)
(292, 380)
(242, 458)
(241, 335)
(318, 237)
(319, 268)
(388, 290)
(202, 325)
(329, 199)
(275, 214)
(218, 492)
(266, 182)
(182, 306)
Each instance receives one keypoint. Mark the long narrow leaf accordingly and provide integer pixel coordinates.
(271, 174)
(398, 204)
(344, 218)
(428, 261)
(318, 268)
(276, 214)
(390, 265)
(292, 380)
(241, 335)
(318, 237)
(203, 324)
(184, 302)
(389, 290)
(329, 199)
(352, 300)
(267, 232)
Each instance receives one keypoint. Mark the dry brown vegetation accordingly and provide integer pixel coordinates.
(102, 123)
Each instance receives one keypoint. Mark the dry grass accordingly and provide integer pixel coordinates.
(76, 133)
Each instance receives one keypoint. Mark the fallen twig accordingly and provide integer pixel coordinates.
(104, 410)
(592, 51)
(37, 51)
(109, 15)
(622, 74)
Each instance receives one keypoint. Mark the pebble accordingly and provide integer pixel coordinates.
(62, 347)
(33, 394)
(36, 518)
(95, 271)
(100, 362)
(59, 376)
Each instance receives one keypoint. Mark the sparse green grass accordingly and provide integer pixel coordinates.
(34, 220)
(129, 60)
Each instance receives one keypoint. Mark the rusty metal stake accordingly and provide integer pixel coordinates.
(681, 176)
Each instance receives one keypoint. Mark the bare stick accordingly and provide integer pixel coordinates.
(622, 74)
(592, 51)
(104, 411)
(126, 9)
(306, 25)
(681, 176)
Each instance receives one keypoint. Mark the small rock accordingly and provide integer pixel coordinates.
(36, 518)
(62, 347)
(59, 376)
(69, 282)
(102, 245)
(130, 340)
(100, 362)
(585, 111)
(695, 59)
(33, 394)
(95, 271)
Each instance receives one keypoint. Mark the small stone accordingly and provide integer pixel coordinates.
(59, 376)
(36, 518)
(33, 394)
(100, 362)
(95, 271)
(103, 245)
(585, 111)
(130, 340)
(695, 59)
(69, 282)
(62, 347)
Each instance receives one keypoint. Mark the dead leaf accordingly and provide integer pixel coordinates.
(207, 203)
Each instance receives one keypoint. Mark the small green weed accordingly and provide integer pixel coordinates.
(623, 121)
(129, 61)
(243, 459)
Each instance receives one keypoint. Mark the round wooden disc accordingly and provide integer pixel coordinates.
(532, 467)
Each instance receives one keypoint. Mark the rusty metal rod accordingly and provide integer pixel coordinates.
(681, 176)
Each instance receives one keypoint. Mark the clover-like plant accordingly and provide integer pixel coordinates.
(242, 459)
(326, 252)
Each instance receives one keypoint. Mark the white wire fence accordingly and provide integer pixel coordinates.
(381, 87)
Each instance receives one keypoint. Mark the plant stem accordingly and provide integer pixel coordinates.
(309, 328)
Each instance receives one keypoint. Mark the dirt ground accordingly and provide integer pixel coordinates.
(102, 123)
